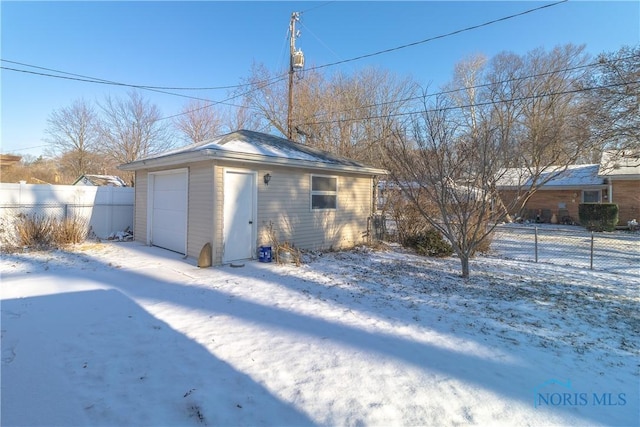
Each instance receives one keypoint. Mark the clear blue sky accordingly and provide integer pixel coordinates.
(210, 43)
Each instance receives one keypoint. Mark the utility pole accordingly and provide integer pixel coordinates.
(296, 61)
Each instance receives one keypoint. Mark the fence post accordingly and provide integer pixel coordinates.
(66, 211)
(591, 256)
(535, 229)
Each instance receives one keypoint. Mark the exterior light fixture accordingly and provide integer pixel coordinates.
(267, 178)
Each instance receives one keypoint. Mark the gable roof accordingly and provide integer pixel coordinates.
(254, 147)
(574, 176)
(100, 181)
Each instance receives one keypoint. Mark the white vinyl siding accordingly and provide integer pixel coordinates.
(201, 192)
(140, 208)
(217, 213)
(285, 203)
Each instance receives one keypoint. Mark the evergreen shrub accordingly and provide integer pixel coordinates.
(598, 216)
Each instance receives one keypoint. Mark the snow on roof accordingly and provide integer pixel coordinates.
(620, 163)
(100, 180)
(572, 176)
(257, 143)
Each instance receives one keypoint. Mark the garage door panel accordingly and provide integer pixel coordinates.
(169, 201)
(165, 221)
(169, 211)
(169, 182)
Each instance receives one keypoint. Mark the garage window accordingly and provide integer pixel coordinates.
(324, 192)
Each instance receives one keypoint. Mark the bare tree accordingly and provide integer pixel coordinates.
(130, 129)
(35, 171)
(267, 96)
(613, 99)
(351, 115)
(199, 121)
(550, 110)
(450, 162)
(72, 134)
(345, 114)
(448, 177)
(242, 117)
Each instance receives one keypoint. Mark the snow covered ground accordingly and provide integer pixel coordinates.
(123, 334)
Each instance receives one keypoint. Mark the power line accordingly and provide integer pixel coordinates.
(480, 104)
(318, 6)
(265, 83)
(224, 100)
(90, 79)
(106, 82)
(446, 92)
(25, 148)
(473, 27)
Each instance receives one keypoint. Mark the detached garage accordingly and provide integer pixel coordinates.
(234, 190)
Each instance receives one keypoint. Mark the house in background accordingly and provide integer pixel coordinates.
(100, 181)
(8, 160)
(232, 191)
(621, 174)
(607, 182)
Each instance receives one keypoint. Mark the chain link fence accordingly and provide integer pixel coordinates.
(571, 245)
(555, 244)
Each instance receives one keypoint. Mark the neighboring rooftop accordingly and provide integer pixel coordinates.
(100, 181)
(7, 160)
(620, 163)
(572, 176)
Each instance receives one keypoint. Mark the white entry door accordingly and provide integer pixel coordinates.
(168, 210)
(239, 215)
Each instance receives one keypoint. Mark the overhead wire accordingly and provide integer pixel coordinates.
(160, 89)
(111, 82)
(446, 92)
(317, 6)
(441, 36)
(479, 104)
(223, 101)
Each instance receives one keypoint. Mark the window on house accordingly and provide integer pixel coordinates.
(591, 196)
(324, 192)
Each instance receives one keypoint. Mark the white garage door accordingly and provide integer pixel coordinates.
(169, 210)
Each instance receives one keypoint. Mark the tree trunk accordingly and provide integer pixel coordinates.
(464, 262)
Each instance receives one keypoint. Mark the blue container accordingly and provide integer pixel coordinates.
(265, 254)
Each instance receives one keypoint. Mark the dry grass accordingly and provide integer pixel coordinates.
(283, 252)
(39, 231)
(34, 231)
(70, 231)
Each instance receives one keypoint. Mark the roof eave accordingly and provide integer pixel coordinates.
(211, 154)
(622, 177)
(552, 187)
(170, 160)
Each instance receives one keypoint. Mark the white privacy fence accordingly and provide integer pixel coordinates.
(106, 209)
